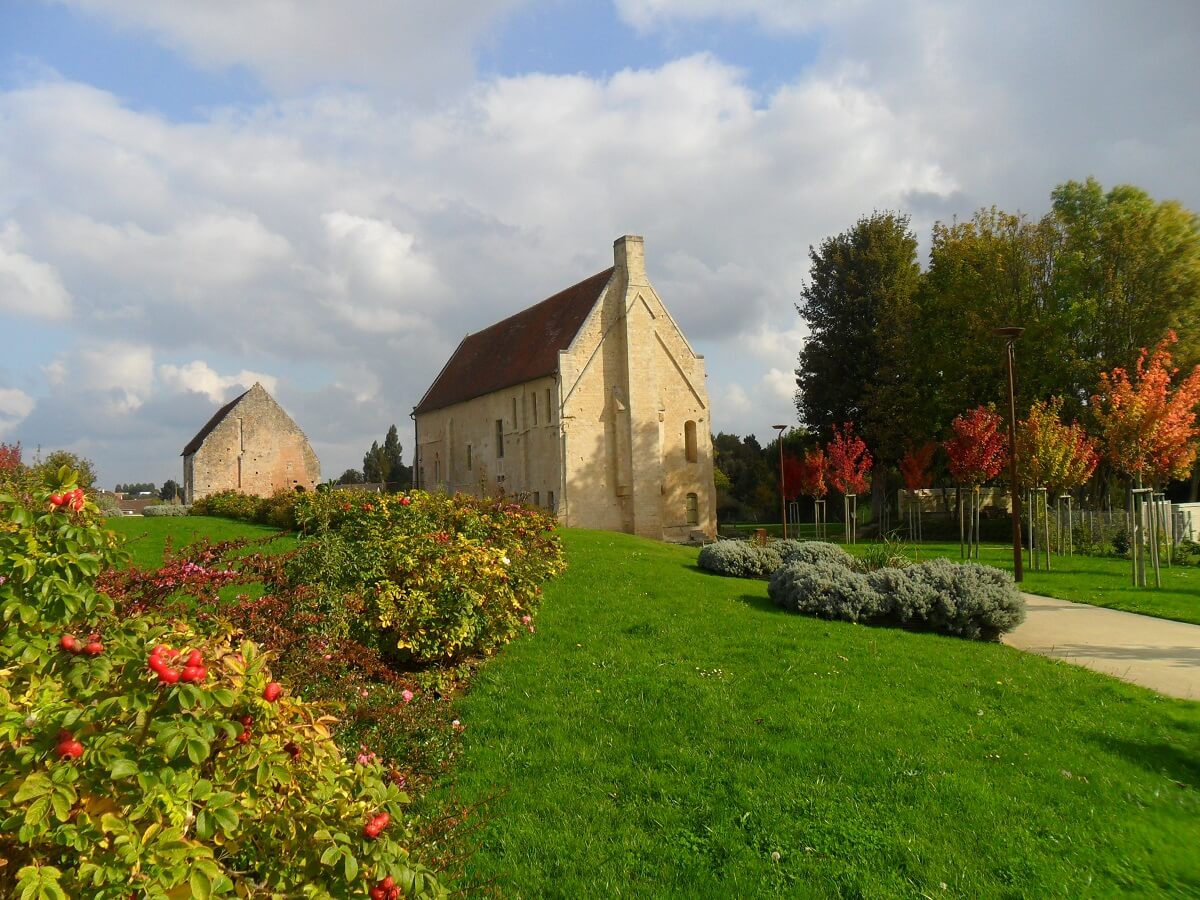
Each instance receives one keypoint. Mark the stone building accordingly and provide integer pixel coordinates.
(591, 404)
(250, 445)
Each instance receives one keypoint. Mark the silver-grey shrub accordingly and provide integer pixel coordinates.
(812, 552)
(829, 590)
(741, 559)
(165, 509)
(964, 599)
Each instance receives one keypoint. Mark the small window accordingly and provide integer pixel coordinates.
(469, 461)
(533, 406)
(437, 469)
(421, 476)
(515, 425)
(693, 509)
(537, 498)
(550, 500)
(689, 441)
(499, 439)
(549, 408)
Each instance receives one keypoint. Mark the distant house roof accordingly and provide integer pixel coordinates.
(194, 444)
(518, 349)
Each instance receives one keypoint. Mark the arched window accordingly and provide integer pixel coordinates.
(693, 509)
(689, 441)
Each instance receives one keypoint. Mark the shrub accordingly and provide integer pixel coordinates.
(165, 509)
(112, 513)
(438, 577)
(964, 599)
(227, 504)
(739, 559)
(812, 552)
(828, 590)
(119, 779)
(105, 502)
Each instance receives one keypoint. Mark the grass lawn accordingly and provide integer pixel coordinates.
(146, 537)
(669, 733)
(1099, 580)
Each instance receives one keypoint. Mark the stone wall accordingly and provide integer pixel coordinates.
(256, 449)
(457, 446)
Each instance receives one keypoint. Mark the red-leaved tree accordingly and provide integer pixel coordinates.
(810, 475)
(978, 450)
(849, 461)
(915, 466)
(10, 457)
(1149, 428)
(1052, 454)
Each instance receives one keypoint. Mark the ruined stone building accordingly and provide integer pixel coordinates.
(590, 403)
(250, 445)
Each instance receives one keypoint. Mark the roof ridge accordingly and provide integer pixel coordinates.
(518, 348)
(194, 444)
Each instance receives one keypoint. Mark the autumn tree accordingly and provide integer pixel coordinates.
(915, 466)
(811, 472)
(10, 457)
(1051, 453)
(978, 446)
(1148, 426)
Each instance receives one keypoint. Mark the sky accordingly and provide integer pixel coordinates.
(325, 197)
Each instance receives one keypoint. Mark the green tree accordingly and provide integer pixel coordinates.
(397, 472)
(49, 466)
(1132, 268)
(374, 464)
(860, 305)
(351, 476)
(170, 490)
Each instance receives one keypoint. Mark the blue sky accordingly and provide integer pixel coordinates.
(325, 197)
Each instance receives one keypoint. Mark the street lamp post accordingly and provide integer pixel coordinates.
(782, 486)
(1010, 333)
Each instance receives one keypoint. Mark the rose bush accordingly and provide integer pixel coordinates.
(432, 578)
(148, 757)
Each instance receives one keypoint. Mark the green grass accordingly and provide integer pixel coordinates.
(147, 537)
(667, 731)
(1099, 580)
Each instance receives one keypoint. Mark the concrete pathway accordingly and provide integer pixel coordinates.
(1155, 653)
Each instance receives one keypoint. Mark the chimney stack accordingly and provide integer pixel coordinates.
(629, 255)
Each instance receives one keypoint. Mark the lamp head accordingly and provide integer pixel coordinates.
(1009, 332)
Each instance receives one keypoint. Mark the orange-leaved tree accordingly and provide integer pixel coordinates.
(1051, 453)
(1149, 427)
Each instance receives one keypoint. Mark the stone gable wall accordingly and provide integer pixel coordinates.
(256, 449)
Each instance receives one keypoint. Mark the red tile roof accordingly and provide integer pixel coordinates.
(518, 349)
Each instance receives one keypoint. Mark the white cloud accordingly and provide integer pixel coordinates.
(28, 287)
(198, 377)
(398, 44)
(15, 406)
(115, 377)
(335, 236)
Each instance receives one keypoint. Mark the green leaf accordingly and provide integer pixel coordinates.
(123, 768)
(35, 785)
(202, 789)
(351, 866)
(201, 885)
(197, 750)
(329, 857)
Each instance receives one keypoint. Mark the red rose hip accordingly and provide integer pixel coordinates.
(272, 691)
